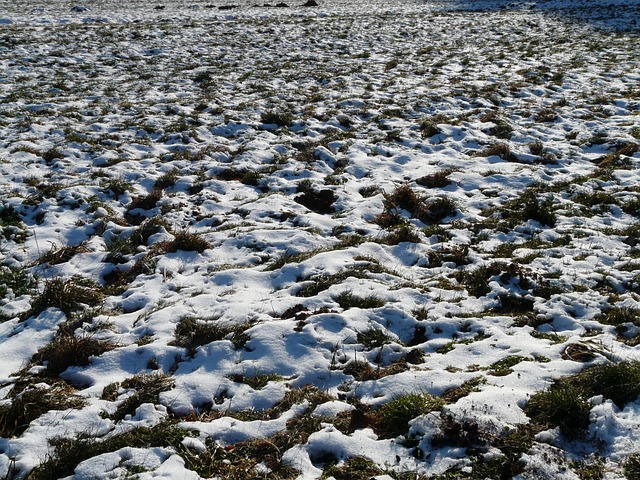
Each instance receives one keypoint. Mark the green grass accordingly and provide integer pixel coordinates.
(348, 299)
(392, 418)
(192, 332)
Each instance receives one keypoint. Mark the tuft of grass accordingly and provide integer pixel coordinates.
(185, 241)
(631, 467)
(401, 233)
(57, 255)
(501, 129)
(66, 351)
(193, 332)
(356, 468)
(69, 296)
(619, 382)
(68, 453)
(392, 418)
(503, 367)
(147, 386)
(281, 119)
(16, 281)
(617, 316)
(563, 405)
(454, 394)
(501, 150)
(373, 337)
(427, 210)
(257, 381)
(438, 179)
(33, 402)
(348, 300)
(117, 186)
(167, 180)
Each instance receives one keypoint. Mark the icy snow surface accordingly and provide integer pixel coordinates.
(281, 138)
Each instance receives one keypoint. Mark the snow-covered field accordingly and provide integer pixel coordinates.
(352, 240)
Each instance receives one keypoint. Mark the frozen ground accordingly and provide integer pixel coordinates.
(348, 240)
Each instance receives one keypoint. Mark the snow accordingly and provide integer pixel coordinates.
(122, 92)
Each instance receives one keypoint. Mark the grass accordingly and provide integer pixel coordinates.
(16, 281)
(68, 350)
(428, 210)
(565, 404)
(57, 255)
(70, 296)
(184, 241)
(355, 468)
(437, 179)
(147, 387)
(257, 381)
(69, 452)
(279, 118)
(631, 467)
(373, 337)
(348, 299)
(33, 402)
(192, 332)
(392, 418)
(503, 367)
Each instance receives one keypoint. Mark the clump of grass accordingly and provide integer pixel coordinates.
(589, 469)
(437, 209)
(281, 119)
(503, 367)
(347, 300)
(52, 154)
(437, 179)
(564, 405)
(57, 255)
(356, 468)
(257, 381)
(70, 452)
(429, 128)
(69, 295)
(617, 316)
(477, 281)
(117, 186)
(369, 191)
(185, 241)
(427, 210)
(392, 419)
(16, 281)
(529, 206)
(320, 201)
(66, 351)
(501, 150)
(147, 386)
(401, 233)
(631, 467)
(193, 332)
(619, 382)
(501, 129)
(248, 459)
(145, 202)
(454, 394)
(33, 402)
(167, 180)
(373, 337)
